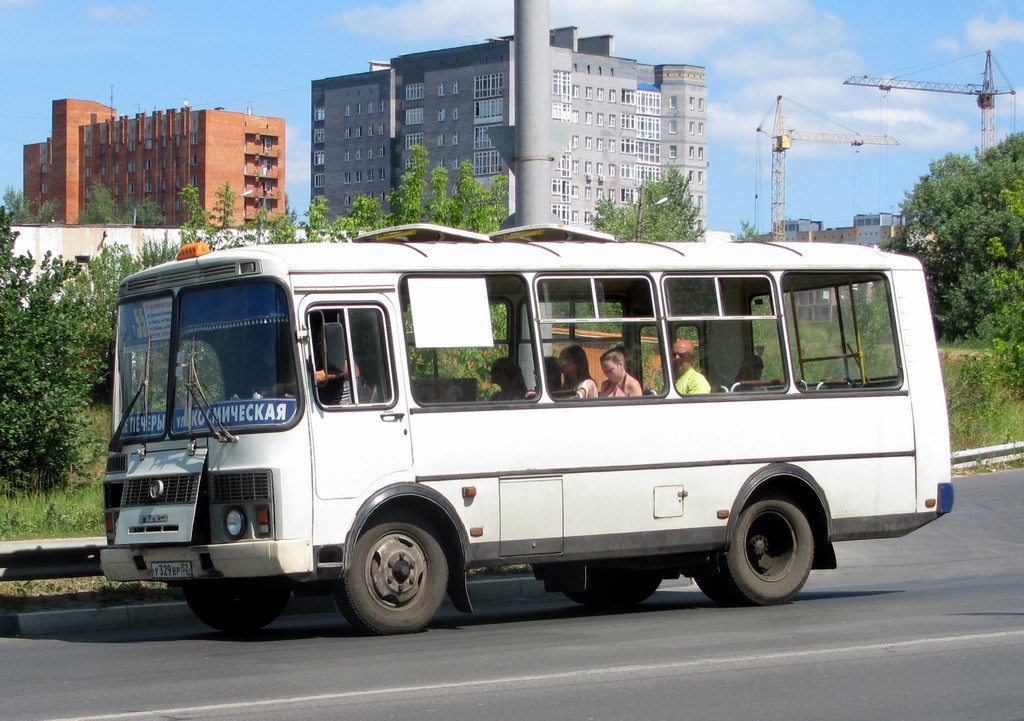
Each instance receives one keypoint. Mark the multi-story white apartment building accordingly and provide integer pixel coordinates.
(628, 122)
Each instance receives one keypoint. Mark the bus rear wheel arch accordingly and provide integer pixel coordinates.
(397, 576)
(770, 554)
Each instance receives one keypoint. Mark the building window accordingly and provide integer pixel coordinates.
(193, 138)
(318, 112)
(560, 84)
(588, 143)
(441, 115)
(481, 140)
(673, 101)
(414, 91)
(488, 86)
(414, 116)
(348, 110)
(412, 139)
(318, 180)
(588, 118)
(455, 138)
(440, 140)
(672, 152)
(455, 87)
(486, 162)
(318, 135)
(590, 92)
(318, 157)
(489, 111)
(440, 90)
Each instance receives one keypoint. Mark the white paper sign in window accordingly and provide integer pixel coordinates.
(450, 313)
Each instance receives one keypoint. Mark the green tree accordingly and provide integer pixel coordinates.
(101, 208)
(954, 216)
(748, 233)
(475, 206)
(664, 213)
(43, 379)
(1008, 316)
(145, 213)
(94, 292)
(16, 206)
(223, 215)
(197, 227)
(406, 200)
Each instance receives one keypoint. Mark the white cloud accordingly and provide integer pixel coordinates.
(131, 11)
(984, 34)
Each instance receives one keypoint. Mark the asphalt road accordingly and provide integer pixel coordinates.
(930, 626)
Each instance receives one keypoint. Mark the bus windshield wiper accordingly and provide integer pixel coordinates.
(115, 441)
(220, 432)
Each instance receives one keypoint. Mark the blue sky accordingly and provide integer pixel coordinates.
(265, 54)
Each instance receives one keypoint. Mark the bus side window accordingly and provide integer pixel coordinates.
(841, 331)
(586, 317)
(349, 356)
(732, 326)
(463, 340)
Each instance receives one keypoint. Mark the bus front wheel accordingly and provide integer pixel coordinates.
(236, 605)
(397, 578)
(770, 552)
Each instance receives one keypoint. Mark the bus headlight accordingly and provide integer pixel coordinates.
(234, 522)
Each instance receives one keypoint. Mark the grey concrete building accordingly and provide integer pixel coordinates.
(627, 121)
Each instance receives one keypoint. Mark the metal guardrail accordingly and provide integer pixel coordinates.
(80, 557)
(51, 558)
(1004, 453)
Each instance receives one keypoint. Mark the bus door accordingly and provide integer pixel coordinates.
(359, 422)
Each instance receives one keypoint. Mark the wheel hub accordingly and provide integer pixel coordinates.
(396, 570)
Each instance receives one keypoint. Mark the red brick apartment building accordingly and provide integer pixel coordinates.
(154, 156)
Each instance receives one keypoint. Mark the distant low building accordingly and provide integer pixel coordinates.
(867, 229)
(152, 157)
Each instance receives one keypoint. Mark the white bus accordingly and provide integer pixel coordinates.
(377, 418)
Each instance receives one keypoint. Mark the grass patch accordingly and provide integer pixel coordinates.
(983, 409)
(71, 512)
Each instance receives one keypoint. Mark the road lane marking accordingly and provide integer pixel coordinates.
(995, 638)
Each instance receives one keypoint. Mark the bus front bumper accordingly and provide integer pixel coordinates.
(244, 559)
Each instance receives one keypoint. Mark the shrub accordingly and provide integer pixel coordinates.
(44, 387)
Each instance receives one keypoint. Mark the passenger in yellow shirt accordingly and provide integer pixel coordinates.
(688, 379)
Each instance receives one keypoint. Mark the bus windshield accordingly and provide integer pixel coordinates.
(234, 364)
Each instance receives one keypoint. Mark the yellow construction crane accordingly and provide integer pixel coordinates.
(782, 140)
(985, 92)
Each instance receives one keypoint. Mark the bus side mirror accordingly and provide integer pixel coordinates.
(334, 340)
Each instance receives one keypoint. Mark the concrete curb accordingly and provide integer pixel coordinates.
(150, 615)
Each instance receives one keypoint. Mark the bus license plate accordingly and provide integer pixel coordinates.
(171, 571)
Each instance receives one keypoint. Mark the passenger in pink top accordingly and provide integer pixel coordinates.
(619, 383)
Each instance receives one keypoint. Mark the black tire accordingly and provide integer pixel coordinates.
(614, 589)
(720, 588)
(770, 552)
(397, 578)
(237, 605)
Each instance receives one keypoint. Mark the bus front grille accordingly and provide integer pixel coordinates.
(160, 490)
(238, 486)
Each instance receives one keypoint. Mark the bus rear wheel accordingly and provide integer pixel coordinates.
(236, 605)
(770, 552)
(616, 588)
(397, 578)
